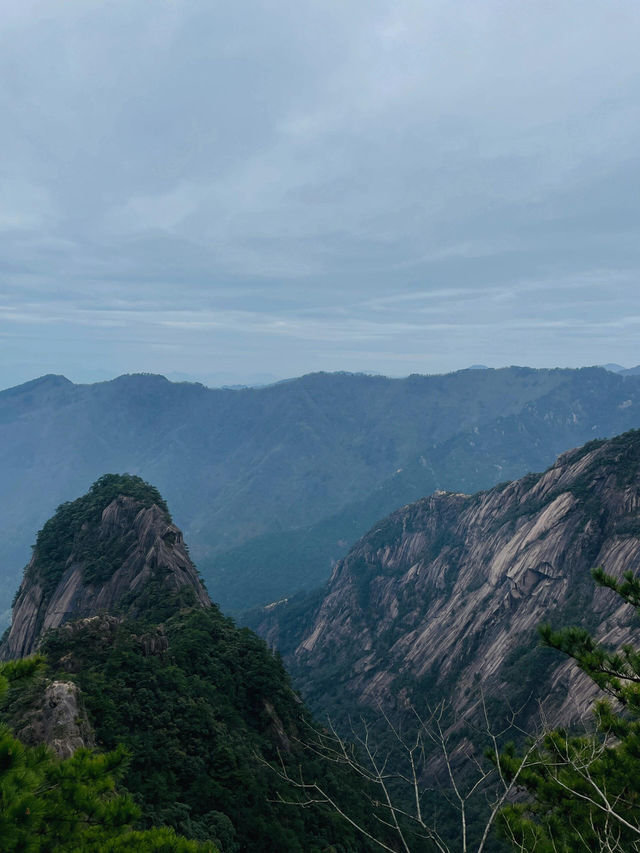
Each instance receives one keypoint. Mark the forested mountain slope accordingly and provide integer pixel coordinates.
(143, 659)
(444, 596)
(272, 484)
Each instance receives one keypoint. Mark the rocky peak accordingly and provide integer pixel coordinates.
(114, 550)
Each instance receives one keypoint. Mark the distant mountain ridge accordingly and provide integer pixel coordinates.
(272, 485)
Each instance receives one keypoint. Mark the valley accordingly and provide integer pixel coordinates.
(320, 427)
(437, 606)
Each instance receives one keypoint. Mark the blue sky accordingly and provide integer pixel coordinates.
(239, 192)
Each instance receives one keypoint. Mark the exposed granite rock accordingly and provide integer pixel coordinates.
(99, 631)
(155, 643)
(57, 719)
(151, 550)
(277, 729)
(64, 723)
(442, 593)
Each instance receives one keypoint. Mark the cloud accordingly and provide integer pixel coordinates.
(262, 176)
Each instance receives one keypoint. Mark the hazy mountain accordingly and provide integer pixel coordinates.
(624, 371)
(444, 596)
(587, 403)
(271, 485)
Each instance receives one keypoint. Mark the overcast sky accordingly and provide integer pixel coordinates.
(236, 191)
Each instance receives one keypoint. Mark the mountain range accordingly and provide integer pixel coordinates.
(438, 603)
(272, 485)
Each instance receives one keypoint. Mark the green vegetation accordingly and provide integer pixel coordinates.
(48, 805)
(332, 677)
(584, 788)
(200, 720)
(71, 532)
(315, 460)
(190, 713)
(559, 791)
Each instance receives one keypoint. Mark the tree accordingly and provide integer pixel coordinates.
(584, 789)
(563, 791)
(468, 776)
(48, 804)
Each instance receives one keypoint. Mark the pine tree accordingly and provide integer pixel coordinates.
(49, 804)
(584, 789)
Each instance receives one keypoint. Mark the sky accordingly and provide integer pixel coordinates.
(241, 192)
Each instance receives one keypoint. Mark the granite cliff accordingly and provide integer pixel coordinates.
(445, 595)
(112, 550)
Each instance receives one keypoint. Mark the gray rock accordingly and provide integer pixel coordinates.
(59, 720)
(443, 591)
(156, 552)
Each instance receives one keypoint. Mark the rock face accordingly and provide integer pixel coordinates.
(53, 714)
(446, 594)
(104, 552)
(61, 721)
